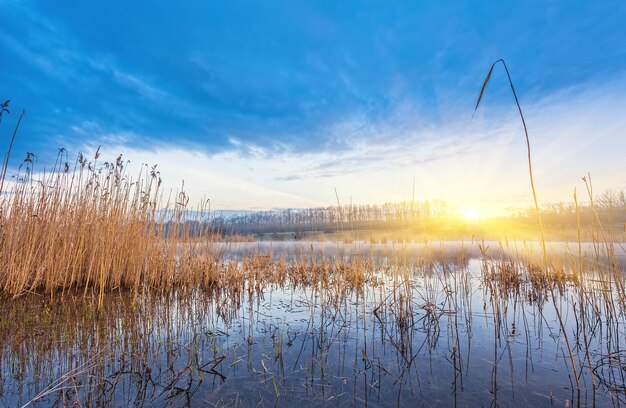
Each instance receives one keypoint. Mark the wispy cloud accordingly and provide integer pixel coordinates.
(258, 105)
(462, 161)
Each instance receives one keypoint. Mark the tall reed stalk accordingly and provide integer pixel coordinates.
(534, 191)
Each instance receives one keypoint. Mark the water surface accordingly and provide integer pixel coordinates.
(416, 332)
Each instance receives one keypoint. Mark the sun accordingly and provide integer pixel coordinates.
(470, 214)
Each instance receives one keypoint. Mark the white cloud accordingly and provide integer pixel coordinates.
(481, 162)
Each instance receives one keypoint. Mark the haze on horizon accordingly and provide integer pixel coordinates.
(261, 106)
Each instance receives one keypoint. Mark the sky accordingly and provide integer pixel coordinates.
(272, 104)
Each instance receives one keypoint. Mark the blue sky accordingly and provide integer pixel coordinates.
(273, 104)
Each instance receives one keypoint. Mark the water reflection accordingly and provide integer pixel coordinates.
(464, 332)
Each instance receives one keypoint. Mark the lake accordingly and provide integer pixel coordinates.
(438, 324)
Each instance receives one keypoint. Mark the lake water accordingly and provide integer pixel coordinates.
(441, 331)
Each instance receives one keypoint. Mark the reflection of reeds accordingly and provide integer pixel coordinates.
(394, 316)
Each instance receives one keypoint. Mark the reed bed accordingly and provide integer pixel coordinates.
(93, 227)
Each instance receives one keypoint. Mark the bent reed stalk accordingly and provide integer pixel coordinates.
(537, 210)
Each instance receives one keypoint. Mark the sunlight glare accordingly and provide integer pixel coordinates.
(470, 214)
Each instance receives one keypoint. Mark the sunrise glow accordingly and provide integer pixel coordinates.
(303, 203)
(470, 214)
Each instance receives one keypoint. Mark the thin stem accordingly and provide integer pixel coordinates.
(6, 159)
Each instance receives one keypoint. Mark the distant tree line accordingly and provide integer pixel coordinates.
(334, 218)
(609, 207)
